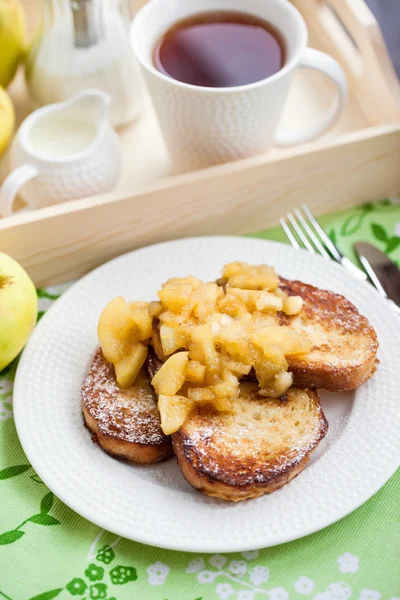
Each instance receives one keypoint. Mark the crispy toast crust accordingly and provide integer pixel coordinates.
(125, 422)
(254, 451)
(345, 343)
(153, 364)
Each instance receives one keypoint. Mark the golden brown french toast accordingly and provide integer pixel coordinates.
(125, 422)
(344, 342)
(256, 449)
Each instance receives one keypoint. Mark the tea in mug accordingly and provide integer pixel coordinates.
(220, 49)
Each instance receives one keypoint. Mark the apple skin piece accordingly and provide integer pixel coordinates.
(18, 309)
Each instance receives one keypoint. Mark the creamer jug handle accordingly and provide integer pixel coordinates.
(11, 186)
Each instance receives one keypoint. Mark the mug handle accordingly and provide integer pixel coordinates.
(315, 59)
(12, 184)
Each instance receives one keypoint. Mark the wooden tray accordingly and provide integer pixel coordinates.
(357, 161)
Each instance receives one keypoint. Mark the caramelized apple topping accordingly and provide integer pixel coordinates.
(212, 335)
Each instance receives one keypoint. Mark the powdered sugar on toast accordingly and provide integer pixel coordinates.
(129, 414)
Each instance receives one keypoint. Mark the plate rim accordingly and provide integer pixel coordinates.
(151, 539)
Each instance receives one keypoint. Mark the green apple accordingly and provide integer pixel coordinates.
(12, 34)
(7, 119)
(18, 309)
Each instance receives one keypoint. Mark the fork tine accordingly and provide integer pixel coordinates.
(300, 233)
(333, 249)
(315, 240)
(289, 233)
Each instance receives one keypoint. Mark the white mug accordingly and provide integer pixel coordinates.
(69, 150)
(203, 126)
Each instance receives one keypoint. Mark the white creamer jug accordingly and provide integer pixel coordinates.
(69, 150)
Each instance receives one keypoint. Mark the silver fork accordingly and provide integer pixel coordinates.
(304, 231)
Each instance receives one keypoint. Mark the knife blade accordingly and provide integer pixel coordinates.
(382, 271)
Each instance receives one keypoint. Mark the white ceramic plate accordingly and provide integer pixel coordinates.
(154, 504)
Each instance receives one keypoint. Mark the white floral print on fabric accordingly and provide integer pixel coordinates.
(245, 595)
(237, 567)
(370, 595)
(195, 566)
(335, 591)
(217, 561)
(59, 289)
(157, 573)
(206, 576)
(339, 591)
(259, 575)
(348, 563)
(250, 555)
(224, 590)
(6, 386)
(6, 409)
(245, 583)
(44, 304)
(304, 585)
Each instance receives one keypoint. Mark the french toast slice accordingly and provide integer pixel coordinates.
(125, 422)
(344, 342)
(345, 345)
(256, 449)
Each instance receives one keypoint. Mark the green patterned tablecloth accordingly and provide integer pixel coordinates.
(48, 551)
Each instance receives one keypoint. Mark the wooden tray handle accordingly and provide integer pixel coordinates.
(361, 23)
(348, 30)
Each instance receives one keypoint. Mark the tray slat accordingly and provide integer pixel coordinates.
(63, 242)
(348, 30)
